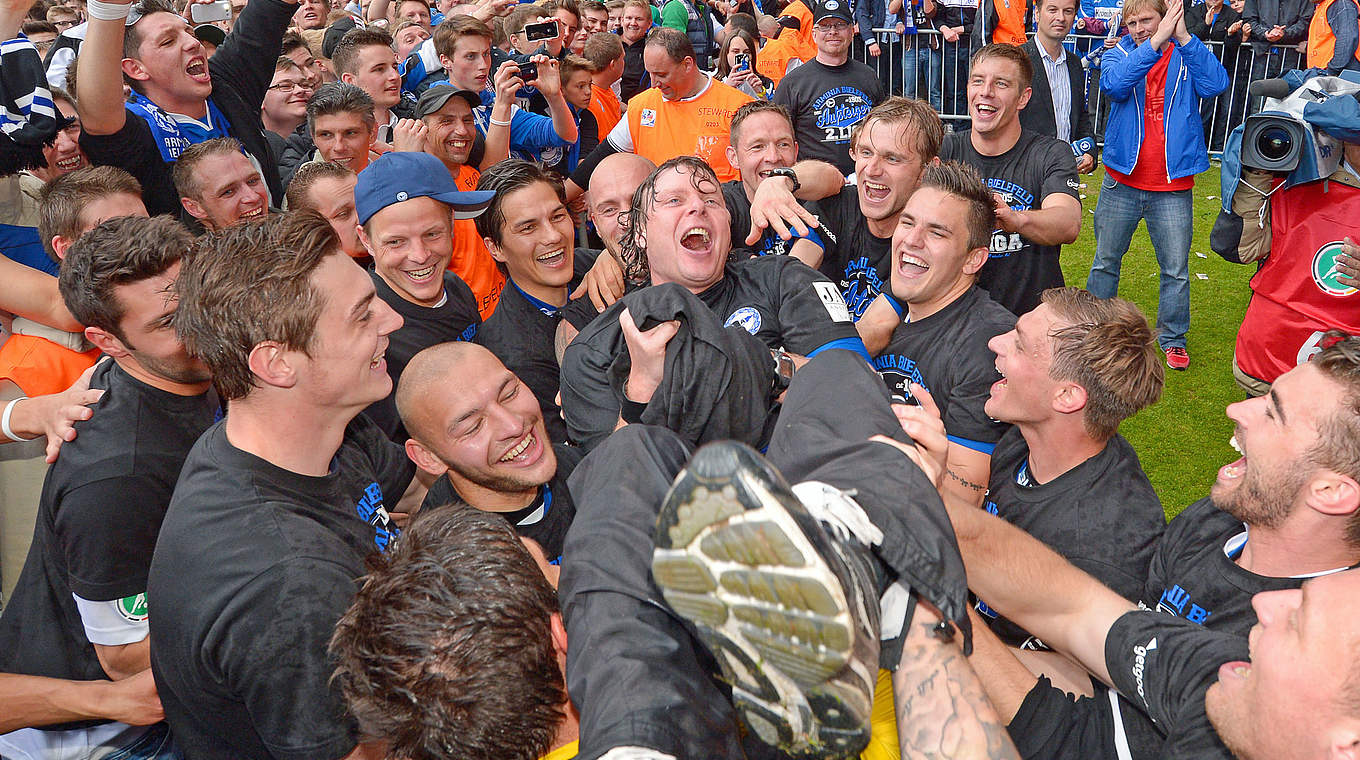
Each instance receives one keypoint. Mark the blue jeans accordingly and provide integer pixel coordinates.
(920, 61)
(1168, 215)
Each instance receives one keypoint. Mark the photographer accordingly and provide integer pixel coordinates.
(1307, 281)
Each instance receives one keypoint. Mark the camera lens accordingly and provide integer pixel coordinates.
(1274, 143)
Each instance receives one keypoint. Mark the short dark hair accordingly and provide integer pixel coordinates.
(345, 57)
(293, 41)
(745, 22)
(339, 97)
(504, 178)
(1012, 53)
(571, 64)
(39, 27)
(447, 649)
(520, 17)
(602, 49)
(1109, 349)
(61, 201)
(752, 108)
(132, 36)
(447, 34)
(307, 175)
(186, 182)
(964, 182)
(673, 41)
(248, 284)
(120, 251)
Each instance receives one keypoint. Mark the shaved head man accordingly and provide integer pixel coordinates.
(486, 443)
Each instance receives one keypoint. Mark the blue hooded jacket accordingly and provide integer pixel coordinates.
(1193, 73)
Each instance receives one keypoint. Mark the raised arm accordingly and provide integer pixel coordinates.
(99, 78)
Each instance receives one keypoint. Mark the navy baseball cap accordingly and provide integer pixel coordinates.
(401, 175)
(832, 9)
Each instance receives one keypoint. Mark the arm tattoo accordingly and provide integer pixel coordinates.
(964, 483)
(942, 711)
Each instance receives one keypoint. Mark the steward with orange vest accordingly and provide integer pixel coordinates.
(1333, 37)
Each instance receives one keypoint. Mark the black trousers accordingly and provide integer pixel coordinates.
(637, 675)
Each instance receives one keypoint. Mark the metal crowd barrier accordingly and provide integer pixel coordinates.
(924, 65)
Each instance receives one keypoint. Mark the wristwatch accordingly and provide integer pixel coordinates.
(791, 174)
(783, 369)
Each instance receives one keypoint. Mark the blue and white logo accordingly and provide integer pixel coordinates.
(747, 317)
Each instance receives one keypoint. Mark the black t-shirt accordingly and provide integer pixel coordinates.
(1038, 166)
(545, 520)
(100, 512)
(859, 262)
(827, 102)
(783, 302)
(947, 354)
(520, 333)
(739, 207)
(635, 78)
(1194, 574)
(1102, 515)
(1164, 665)
(254, 566)
(422, 326)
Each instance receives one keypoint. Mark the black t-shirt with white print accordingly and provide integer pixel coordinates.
(827, 103)
(783, 302)
(859, 262)
(546, 520)
(1019, 270)
(1102, 515)
(947, 354)
(98, 518)
(254, 566)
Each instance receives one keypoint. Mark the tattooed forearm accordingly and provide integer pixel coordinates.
(942, 711)
(965, 483)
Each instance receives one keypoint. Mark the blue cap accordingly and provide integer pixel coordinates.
(401, 175)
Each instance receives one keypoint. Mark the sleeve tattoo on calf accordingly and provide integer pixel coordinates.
(942, 711)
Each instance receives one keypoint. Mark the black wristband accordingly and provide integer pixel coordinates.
(631, 411)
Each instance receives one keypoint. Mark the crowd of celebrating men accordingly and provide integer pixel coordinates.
(582, 379)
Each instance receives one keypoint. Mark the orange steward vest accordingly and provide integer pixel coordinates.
(663, 129)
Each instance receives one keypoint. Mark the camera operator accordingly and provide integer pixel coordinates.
(1307, 280)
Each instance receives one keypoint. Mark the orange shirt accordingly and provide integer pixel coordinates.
(471, 260)
(774, 58)
(1010, 22)
(806, 49)
(606, 107)
(39, 366)
(663, 129)
(1321, 38)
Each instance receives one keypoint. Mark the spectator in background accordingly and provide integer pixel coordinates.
(605, 53)
(365, 57)
(636, 20)
(296, 48)
(417, 11)
(1218, 25)
(831, 94)
(20, 207)
(696, 21)
(407, 36)
(1154, 147)
(341, 126)
(921, 59)
(954, 19)
(42, 34)
(782, 53)
(285, 103)
(1334, 37)
(1057, 103)
(877, 24)
(311, 14)
(615, 8)
(737, 62)
(577, 90)
(1274, 27)
(594, 17)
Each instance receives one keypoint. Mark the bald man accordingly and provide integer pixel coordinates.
(610, 195)
(486, 443)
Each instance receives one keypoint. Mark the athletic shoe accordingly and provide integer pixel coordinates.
(1177, 358)
(789, 612)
